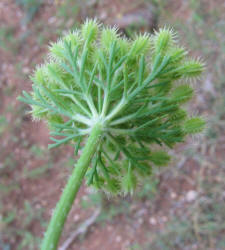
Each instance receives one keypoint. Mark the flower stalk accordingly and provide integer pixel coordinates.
(65, 203)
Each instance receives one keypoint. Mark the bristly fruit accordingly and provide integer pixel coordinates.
(130, 87)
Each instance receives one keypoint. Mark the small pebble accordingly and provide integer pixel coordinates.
(173, 195)
(152, 221)
(191, 195)
(118, 238)
(76, 217)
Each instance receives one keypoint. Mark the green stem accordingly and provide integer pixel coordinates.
(65, 203)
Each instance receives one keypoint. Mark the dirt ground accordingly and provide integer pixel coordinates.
(182, 207)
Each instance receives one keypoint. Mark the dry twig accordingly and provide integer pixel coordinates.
(81, 230)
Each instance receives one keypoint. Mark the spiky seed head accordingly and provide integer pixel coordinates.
(160, 158)
(191, 68)
(140, 45)
(129, 182)
(89, 30)
(194, 125)
(108, 36)
(164, 39)
(93, 75)
(182, 93)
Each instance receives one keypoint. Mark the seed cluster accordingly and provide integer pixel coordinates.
(134, 88)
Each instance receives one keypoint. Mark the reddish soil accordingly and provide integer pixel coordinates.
(123, 230)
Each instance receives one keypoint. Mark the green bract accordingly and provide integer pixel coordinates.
(133, 88)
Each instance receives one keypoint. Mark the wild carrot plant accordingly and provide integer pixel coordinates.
(118, 100)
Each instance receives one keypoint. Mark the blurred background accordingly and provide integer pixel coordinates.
(182, 207)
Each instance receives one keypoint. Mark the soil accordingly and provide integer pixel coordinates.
(123, 230)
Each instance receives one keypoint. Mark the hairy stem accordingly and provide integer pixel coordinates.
(64, 205)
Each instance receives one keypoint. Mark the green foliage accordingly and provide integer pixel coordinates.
(68, 10)
(22, 227)
(130, 87)
(193, 125)
(149, 189)
(112, 209)
(202, 225)
(30, 7)
(7, 39)
(3, 123)
(37, 172)
(37, 151)
(92, 199)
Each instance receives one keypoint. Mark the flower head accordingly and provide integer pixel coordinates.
(93, 75)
